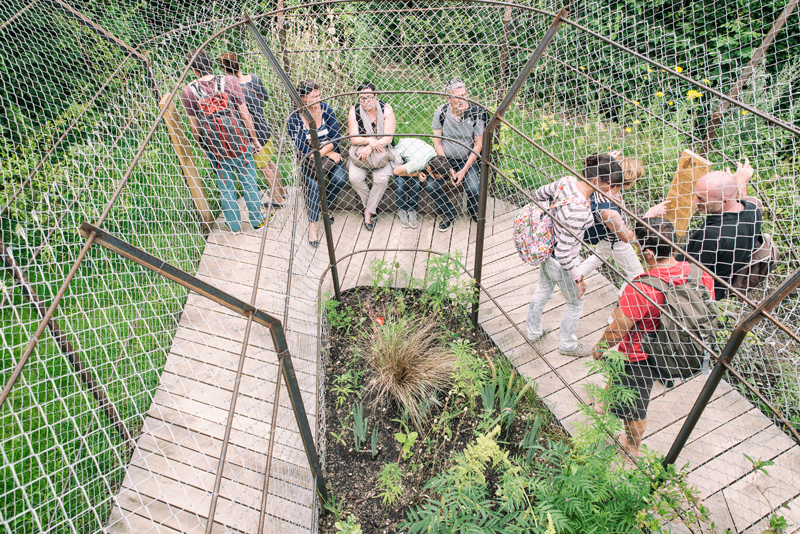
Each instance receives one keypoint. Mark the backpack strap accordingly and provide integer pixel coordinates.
(442, 113)
(653, 281)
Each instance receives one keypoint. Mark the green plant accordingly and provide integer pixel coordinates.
(407, 441)
(410, 363)
(345, 385)
(529, 441)
(339, 319)
(759, 465)
(777, 525)
(349, 525)
(359, 425)
(470, 371)
(443, 285)
(374, 447)
(389, 482)
(508, 395)
(381, 275)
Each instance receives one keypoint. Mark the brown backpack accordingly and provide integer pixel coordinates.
(761, 263)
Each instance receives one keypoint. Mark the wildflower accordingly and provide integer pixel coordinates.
(645, 77)
(636, 122)
(332, 30)
(670, 102)
(706, 81)
(583, 68)
(635, 102)
(649, 70)
(692, 94)
(678, 69)
(745, 112)
(628, 130)
(659, 94)
(379, 320)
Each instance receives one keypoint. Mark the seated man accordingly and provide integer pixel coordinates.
(732, 229)
(420, 161)
(461, 125)
(637, 315)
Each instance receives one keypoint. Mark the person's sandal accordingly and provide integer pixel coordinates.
(369, 225)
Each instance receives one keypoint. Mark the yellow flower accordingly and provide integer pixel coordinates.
(635, 102)
(609, 147)
(659, 94)
(678, 69)
(645, 77)
(745, 112)
(692, 94)
(583, 68)
(670, 102)
(649, 70)
(636, 122)
(628, 130)
(706, 81)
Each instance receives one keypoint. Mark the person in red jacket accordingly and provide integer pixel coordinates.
(636, 315)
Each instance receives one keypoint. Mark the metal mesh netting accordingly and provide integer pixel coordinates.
(141, 406)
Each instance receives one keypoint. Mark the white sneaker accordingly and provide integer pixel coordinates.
(403, 218)
(412, 219)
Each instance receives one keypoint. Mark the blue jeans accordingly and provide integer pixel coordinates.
(242, 169)
(471, 186)
(337, 179)
(407, 190)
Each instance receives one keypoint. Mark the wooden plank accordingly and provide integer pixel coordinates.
(123, 522)
(351, 229)
(725, 469)
(756, 495)
(351, 276)
(691, 167)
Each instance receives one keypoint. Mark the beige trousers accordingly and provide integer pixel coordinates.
(370, 198)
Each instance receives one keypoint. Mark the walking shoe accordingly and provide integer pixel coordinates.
(264, 222)
(579, 351)
(369, 225)
(403, 214)
(412, 219)
(445, 224)
(537, 337)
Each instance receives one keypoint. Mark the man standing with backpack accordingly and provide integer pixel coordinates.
(656, 314)
(224, 129)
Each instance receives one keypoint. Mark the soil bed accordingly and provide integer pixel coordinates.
(447, 429)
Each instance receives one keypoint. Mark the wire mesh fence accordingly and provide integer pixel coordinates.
(115, 411)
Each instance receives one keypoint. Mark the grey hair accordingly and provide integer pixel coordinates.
(454, 84)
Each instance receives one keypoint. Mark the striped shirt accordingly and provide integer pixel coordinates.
(570, 221)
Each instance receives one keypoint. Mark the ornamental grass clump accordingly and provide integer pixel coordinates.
(410, 364)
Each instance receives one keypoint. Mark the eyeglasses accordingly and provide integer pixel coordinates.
(366, 98)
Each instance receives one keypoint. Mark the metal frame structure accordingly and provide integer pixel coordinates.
(94, 234)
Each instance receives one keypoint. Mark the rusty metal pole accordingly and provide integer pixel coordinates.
(312, 127)
(725, 358)
(746, 73)
(486, 152)
(81, 369)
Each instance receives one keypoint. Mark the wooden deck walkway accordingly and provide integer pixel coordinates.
(170, 479)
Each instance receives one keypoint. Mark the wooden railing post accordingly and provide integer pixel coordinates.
(182, 149)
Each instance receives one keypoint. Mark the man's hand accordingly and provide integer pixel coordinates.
(364, 152)
(335, 156)
(580, 285)
(376, 146)
(459, 176)
(659, 210)
(597, 354)
(422, 176)
(256, 146)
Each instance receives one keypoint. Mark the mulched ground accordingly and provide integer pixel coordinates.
(352, 474)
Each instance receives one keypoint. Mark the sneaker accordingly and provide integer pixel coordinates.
(264, 222)
(536, 337)
(403, 214)
(412, 219)
(445, 224)
(579, 351)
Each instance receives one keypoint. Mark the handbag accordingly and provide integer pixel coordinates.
(376, 160)
(311, 169)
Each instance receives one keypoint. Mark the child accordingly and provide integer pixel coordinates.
(610, 233)
(421, 161)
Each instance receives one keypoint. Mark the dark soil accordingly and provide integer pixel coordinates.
(353, 475)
